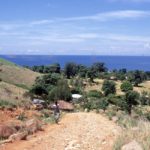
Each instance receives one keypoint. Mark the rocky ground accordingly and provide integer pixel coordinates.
(76, 131)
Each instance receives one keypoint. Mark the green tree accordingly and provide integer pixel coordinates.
(91, 74)
(131, 99)
(103, 104)
(70, 69)
(38, 89)
(82, 70)
(126, 86)
(55, 68)
(98, 67)
(136, 77)
(60, 92)
(109, 87)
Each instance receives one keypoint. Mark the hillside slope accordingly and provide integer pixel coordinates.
(19, 76)
(12, 93)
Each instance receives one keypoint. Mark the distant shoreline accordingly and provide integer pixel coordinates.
(112, 62)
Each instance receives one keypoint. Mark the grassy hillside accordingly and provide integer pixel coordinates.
(12, 94)
(145, 86)
(19, 76)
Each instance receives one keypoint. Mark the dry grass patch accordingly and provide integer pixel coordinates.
(140, 133)
(17, 75)
(11, 93)
(145, 86)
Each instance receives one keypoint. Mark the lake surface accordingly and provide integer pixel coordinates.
(112, 62)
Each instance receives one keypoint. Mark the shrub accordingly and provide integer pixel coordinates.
(126, 86)
(144, 98)
(94, 93)
(21, 116)
(7, 103)
(131, 99)
(109, 87)
(38, 89)
(103, 104)
(60, 92)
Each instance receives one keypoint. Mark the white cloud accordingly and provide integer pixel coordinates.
(147, 45)
(113, 15)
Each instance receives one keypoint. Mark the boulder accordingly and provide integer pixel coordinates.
(114, 118)
(18, 136)
(134, 145)
(6, 131)
(33, 125)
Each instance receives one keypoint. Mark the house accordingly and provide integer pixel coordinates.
(76, 97)
(63, 105)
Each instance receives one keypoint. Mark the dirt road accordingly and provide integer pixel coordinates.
(76, 131)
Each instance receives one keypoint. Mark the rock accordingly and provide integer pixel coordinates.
(19, 136)
(85, 110)
(6, 131)
(33, 125)
(134, 145)
(115, 119)
(136, 129)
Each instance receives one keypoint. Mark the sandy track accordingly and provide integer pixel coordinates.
(76, 131)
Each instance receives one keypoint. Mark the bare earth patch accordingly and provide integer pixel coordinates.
(76, 131)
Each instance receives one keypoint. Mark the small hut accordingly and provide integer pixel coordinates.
(63, 105)
(76, 97)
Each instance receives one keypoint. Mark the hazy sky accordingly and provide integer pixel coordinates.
(97, 27)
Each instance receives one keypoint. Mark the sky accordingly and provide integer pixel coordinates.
(75, 27)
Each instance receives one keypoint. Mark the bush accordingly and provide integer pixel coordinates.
(103, 104)
(109, 87)
(144, 98)
(131, 98)
(60, 92)
(94, 93)
(38, 89)
(7, 103)
(126, 86)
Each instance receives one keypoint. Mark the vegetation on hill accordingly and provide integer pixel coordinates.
(117, 93)
(5, 62)
(17, 75)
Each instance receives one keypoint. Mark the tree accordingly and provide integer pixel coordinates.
(98, 67)
(91, 74)
(131, 99)
(70, 69)
(126, 86)
(38, 89)
(60, 92)
(54, 68)
(82, 70)
(103, 104)
(109, 87)
(136, 77)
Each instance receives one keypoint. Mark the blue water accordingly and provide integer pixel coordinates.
(112, 62)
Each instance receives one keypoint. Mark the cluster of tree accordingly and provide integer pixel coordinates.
(54, 68)
(136, 77)
(96, 99)
(96, 70)
(72, 69)
(51, 87)
(58, 83)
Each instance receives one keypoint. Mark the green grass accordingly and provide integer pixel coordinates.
(7, 103)
(23, 86)
(5, 62)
